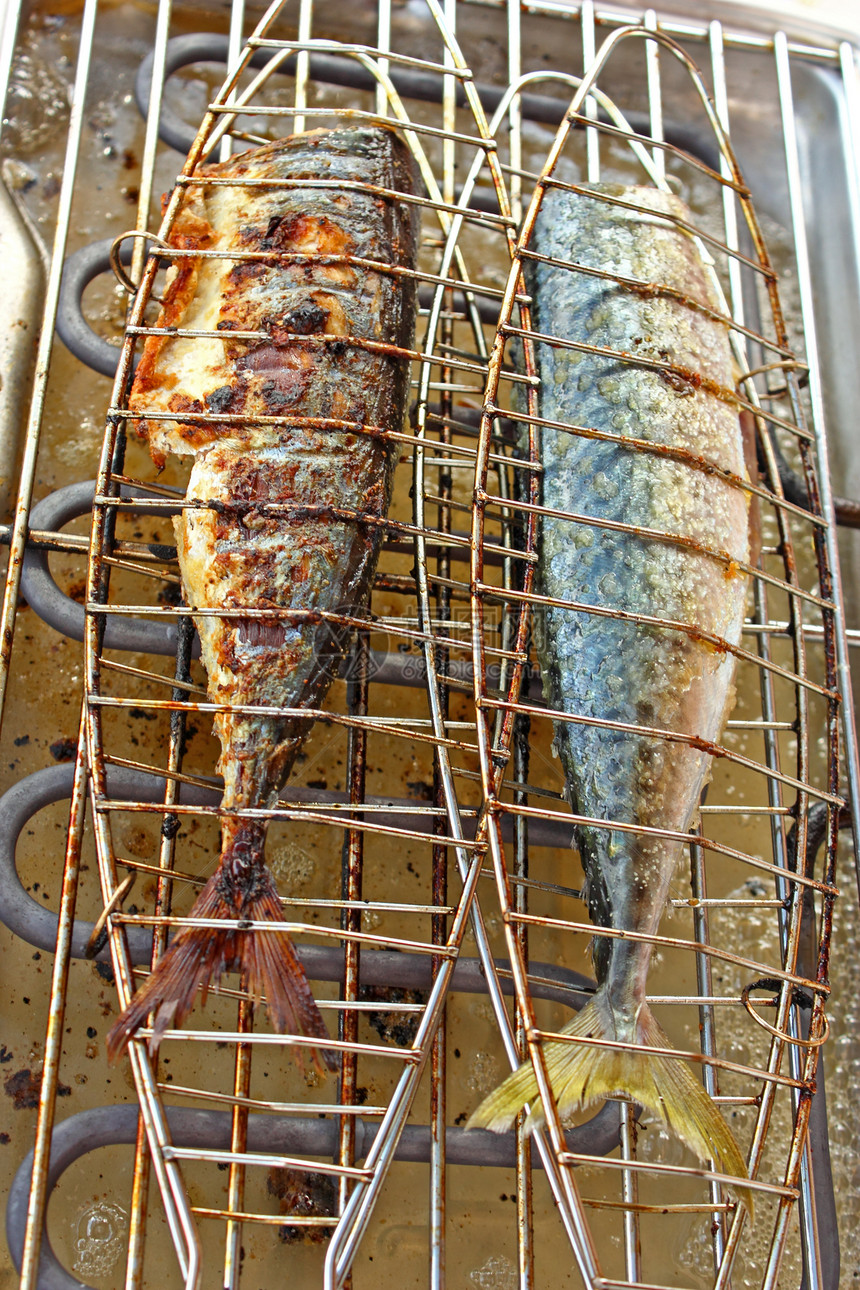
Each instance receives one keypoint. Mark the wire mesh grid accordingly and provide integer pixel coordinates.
(422, 627)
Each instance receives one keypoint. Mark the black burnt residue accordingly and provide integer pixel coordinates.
(161, 551)
(281, 233)
(272, 239)
(170, 825)
(63, 749)
(247, 271)
(302, 1194)
(220, 400)
(23, 1088)
(170, 595)
(274, 225)
(398, 1028)
(305, 319)
(183, 404)
(275, 398)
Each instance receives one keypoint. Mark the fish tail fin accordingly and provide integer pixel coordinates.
(581, 1074)
(198, 956)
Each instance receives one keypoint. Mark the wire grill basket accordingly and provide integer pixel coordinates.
(785, 688)
(336, 832)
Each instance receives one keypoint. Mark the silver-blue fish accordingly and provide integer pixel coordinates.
(663, 538)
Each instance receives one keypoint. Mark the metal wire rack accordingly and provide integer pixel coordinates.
(223, 1150)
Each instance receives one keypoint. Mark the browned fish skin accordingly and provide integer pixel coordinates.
(279, 516)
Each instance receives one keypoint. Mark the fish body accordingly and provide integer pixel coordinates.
(663, 535)
(284, 516)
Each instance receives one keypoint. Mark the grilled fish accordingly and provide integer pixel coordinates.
(282, 519)
(663, 535)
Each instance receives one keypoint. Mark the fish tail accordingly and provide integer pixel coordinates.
(581, 1074)
(198, 956)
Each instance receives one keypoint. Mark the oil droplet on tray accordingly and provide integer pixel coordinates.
(484, 1072)
(291, 863)
(498, 1273)
(100, 1233)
